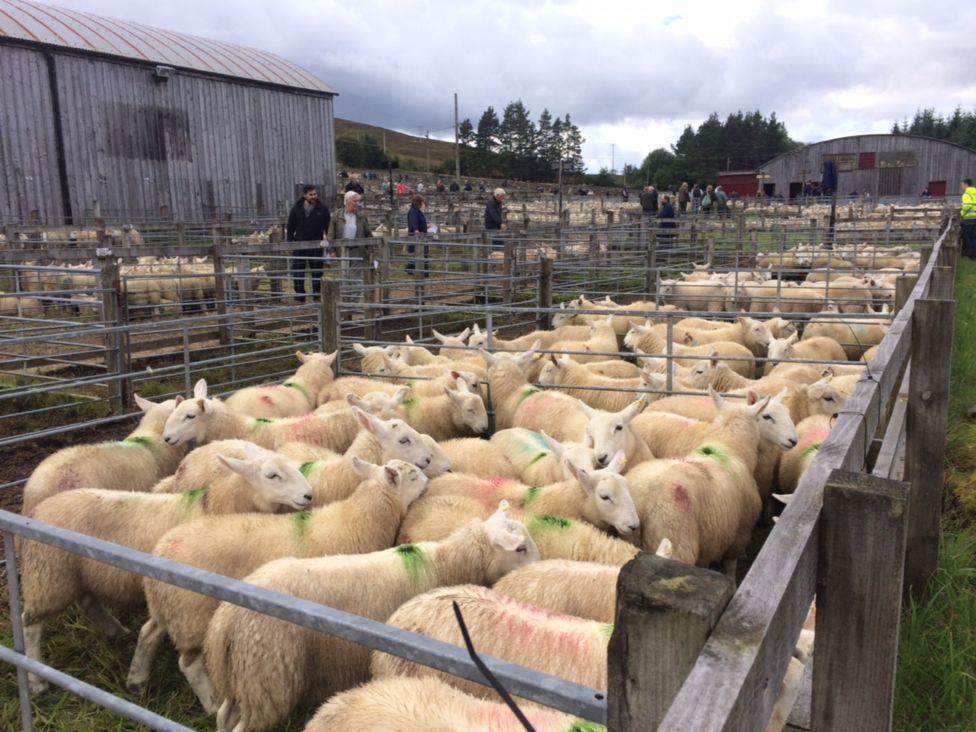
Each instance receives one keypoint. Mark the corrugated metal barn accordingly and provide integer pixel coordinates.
(880, 165)
(144, 120)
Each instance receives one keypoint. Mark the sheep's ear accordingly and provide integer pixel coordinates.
(178, 399)
(665, 549)
(354, 400)
(759, 407)
(144, 404)
(588, 410)
(793, 338)
(496, 528)
(633, 409)
(618, 462)
(751, 397)
(360, 349)
(366, 420)
(463, 335)
(476, 329)
(301, 357)
(782, 394)
(200, 389)
(245, 468)
(717, 399)
(401, 394)
(439, 336)
(489, 359)
(713, 358)
(555, 445)
(581, 474)
(206, 406)
(391, 475)
(331, 357)
(408, 339)
(363, 468)
(743, 321)
(455, 397)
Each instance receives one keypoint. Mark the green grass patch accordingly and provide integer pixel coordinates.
(936, 680)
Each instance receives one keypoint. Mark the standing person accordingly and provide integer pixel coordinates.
(696, 197)
(421, 187)
(968, 216)
(708, 201)
(666, 222)
(440, 186)
(350, 223)
(417, 226)
(495, 216)
(683, 197)
(467, 186)
(648, 202)
(308, 221)
(624, 194)
(722, 201)
(354, 184)
(456, 187)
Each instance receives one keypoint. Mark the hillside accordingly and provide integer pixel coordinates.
(402, 145)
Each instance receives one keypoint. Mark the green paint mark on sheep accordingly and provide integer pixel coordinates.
(812, 449)
(525, 395)
(716, 453)
(260, 421)
(581, 725)
(549, 523)
(299, 524)
(531, 495)
(299, 387)
(537, 458)
(192, 498)
(606, 629)
(409, 404)
(139, 441)
(413, 561)
(306, 468)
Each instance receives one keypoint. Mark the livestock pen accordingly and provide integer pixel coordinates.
(685, 643)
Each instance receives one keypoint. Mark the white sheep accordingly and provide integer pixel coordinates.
(479, 338)
(642, 339)
(367, 521)
(814, 349)
(291, 398)
(53, 579)
(134, 463)
(339, 389)
(263, 667)
(402, 703)
(502, 627)
(706, 503)
(855, 336)
(793, 464)
(600, 392)
(454, 413)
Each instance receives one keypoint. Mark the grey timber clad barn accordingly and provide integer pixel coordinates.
(880, 165)
(143, 120)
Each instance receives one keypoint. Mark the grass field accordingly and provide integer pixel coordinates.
(400, 144)
(936, 681)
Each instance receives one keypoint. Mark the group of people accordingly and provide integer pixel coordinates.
(706, 201)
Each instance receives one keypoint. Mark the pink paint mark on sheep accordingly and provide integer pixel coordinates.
(265, 399)
(817, 434)
(535, 404)
(681, 498)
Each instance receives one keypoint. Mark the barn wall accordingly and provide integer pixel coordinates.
(28, 158)
(936, 161)
(137, 145)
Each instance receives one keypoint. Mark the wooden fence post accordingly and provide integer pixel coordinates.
(923, 257)
(904, 284)
(112, 315)
(508, 271)
(858, 601)
(220, 289)
(329, 331)
(665, 612)
(278, 266)
(650, 272)
(928, 405)
(545, 292)
(941, 286)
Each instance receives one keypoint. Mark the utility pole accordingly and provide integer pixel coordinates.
(457, 144)
(384, 142)
(613, 167)
(428, 151)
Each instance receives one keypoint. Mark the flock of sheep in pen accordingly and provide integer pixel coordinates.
(382, 494)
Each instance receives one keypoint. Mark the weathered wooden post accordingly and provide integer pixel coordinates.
(858, 601)
(941, 285)
(904, 284)
(181, 233)
(650, 271)
(329, 327)
(665, 612)
(220, 287)
(928, 404)
(279, 263)
(508, 271)
(112, 315)
(545, 292)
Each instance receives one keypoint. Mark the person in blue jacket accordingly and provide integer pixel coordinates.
(417, 226)
(666, 223)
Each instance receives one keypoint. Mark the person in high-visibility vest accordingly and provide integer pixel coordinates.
(968, 215)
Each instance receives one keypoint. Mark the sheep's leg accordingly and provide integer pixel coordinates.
(102, 618)
(191, 664)
(228, 716)
(147, 646)
(32, 649)
(728, 566)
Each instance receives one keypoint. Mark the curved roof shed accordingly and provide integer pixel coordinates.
(88, 33)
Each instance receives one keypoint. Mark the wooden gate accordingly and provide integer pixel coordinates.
(889, 181)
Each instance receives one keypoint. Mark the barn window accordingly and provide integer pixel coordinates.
(866, 161)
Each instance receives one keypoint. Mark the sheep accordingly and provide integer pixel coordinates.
(579, 382)
(387, 366)
(614, 368)
(561, 538)
(291, 398)
(536, 457)
(262, 667)
(477, 456)
(854, 336)
(583, 589)
(451, 414)
(723, 379)
(708, 295)
(671, 436)
(134, 463)
(427, 703)
(600, 497)
(813, 349)
(332, 477)
(360, 386)
(751, 333)
(378, 403)
(602, 343)
(642, 339)
(793, 464)
(54, 579)
(367, 521)
(502, 627)
(850, 293)
(479, 338)
(371, 357)
(708, 502)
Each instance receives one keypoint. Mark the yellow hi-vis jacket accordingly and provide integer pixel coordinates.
(969, 203)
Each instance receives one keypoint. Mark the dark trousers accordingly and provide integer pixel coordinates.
(969, 237)
(411, 265)
(313, 259)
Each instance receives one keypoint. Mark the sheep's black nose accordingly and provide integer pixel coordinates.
(634, 527)
(792, 442)
(308, 496)
(601, 461)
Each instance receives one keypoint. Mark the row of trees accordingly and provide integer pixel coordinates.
(516, 147)
(362, 153)
(959, 127)
(742, 142)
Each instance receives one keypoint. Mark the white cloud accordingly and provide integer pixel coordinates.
(631, 73)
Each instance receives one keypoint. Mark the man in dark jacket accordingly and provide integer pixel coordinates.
(666, 223)
(648, 201)
(307, 222)
(354, 184)
(494, 216)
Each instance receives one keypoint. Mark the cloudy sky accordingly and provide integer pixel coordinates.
(631, 74)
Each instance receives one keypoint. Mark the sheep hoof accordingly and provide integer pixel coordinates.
(136, 687)
(37, 685)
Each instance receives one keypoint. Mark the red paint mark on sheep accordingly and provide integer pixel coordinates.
(681, 498)
(265, 399)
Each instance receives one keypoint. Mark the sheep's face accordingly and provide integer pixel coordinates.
(700, 375)
(276, 479)
(829, 395)
(478, 337)
(154, 415)
(549, 374)
(188, 422)
(440, 463)
(379, 403)
(511, 545)
(405, 479)
(780, 327)
(609, 432)
(634, 335)
(775, 423)
(755, 334)
(317, 363)
(781, 348)
(397, 439)
(667, 288)
(505, 362)
(609, 494)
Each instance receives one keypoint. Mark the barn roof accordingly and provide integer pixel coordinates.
(53, 26)
(901, 135)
